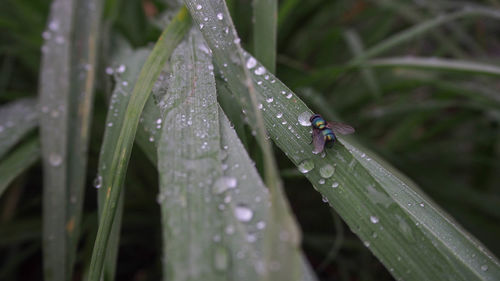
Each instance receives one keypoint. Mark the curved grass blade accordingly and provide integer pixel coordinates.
(112, 181)
(17, 162)
(127, 66)
(54, 92)
(218, 30)
(265, 14)
(17, 118)
(404, 229)
(437, 63)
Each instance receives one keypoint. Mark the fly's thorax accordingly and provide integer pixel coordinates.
(318, 122)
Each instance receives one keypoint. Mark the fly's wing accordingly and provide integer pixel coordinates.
(340, 128)
(318, 141)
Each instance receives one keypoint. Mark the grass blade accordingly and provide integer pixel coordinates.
(216, 26)
(17, 119)
(389, 214)
(128, 65)
(54, 92)
(437, 63)
(112, 181)
(84, 61)
(17, 162)
(265, 13)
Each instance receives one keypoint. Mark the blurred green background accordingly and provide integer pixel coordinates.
(439, 127)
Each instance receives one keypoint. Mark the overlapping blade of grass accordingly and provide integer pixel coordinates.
(17, 118)
(17, 162)
(214, 205)
(126, 68)
(437, 63)
(83, 73)
(54, 92)
(218, 30)
(265, 19)
(122, 139)
(404, 229)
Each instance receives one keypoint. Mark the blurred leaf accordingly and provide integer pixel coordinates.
(17, 162)
(54, 95)
(437, 63)
(121, 141)
(17, 118)
(83, 75)
(265, 18)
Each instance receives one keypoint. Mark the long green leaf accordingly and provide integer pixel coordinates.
(216, 26)
(404, 229)
(54, 92)
(127, 66)
(17, 119)
(112, 181)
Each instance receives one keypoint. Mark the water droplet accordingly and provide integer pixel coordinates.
(109, 70)
(54, 25)
(237, 41)
(221, 258)
(373, 219)
(158, 121)
(269, 100)
(220, 16)
(367, 244)
(304, 118)
(251, 63)
(243, 213)
(279, 115)
(55, 159)
(327, 171)
(421, 205)
(289, 96)
(335, 184)
(260, 70)
(98, 181)
(321, 181)
(224, 183)
(198, 7)
(306, 166)
(110, 124)
(121, 68)
(484, 267)
(261, 225)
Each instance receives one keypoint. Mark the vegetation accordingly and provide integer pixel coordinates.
(163, 139)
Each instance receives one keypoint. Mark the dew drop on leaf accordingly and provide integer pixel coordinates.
(306, 166)
(251, 63)
(55, 159)
(304, 118)
(374, 219)
(243, 213)
(327, 171)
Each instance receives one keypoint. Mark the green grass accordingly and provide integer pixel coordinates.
(223, 184)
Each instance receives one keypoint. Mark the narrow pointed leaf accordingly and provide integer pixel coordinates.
(403, 228)
(112, 181)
